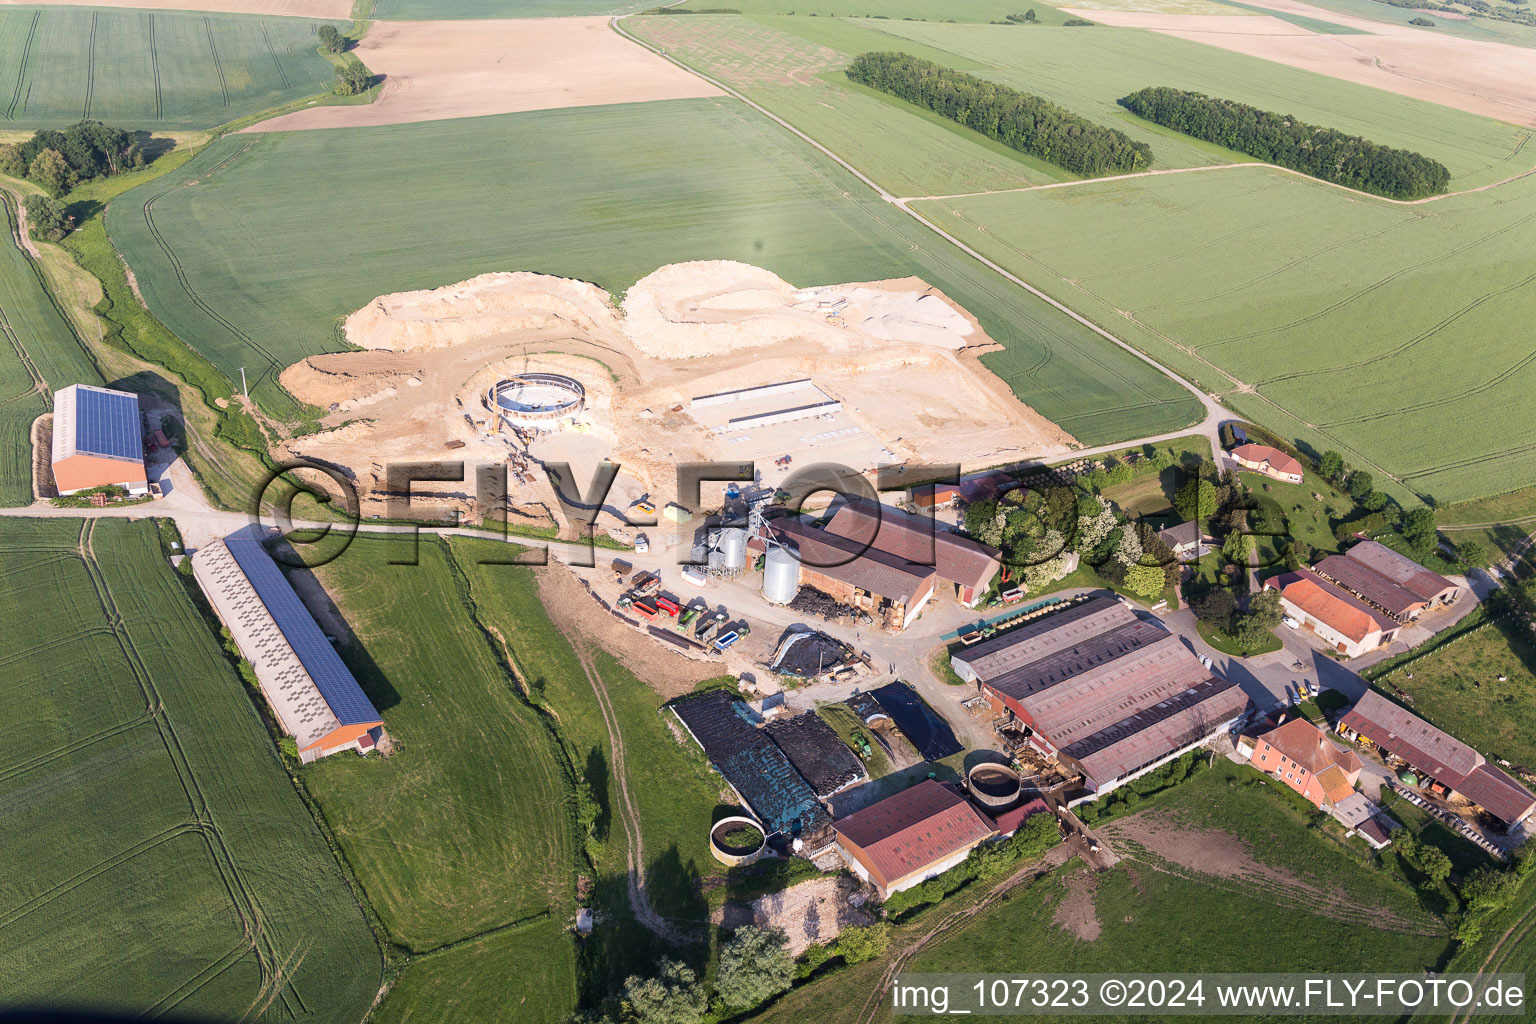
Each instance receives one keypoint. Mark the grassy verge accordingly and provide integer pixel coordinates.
(1234, 647)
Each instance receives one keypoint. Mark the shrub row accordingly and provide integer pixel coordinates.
(1324, 153)
(1018, 120)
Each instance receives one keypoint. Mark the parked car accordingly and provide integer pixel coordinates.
(642, 544)
(1291, 622)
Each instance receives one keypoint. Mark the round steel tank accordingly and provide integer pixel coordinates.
(994, 786)
(730, 854)
(781, 575)
(733, 548)
(535, 397)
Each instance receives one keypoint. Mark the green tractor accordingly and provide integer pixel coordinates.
(861, 745)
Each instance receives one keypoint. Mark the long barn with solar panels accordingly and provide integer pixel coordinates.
(314, 695)
(98, 440)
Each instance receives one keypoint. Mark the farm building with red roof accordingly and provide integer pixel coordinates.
(1439, 756)
(908, 838)
(1346, 623)
(919, 541)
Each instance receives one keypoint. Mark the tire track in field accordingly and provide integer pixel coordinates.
(101, 867)
(31, 764)
(181, 273)
(197, 982)
(1380, 283)
(154, 64)
(214, 50)
(21, 72)
(1411, 343)
(242, 898)
(90, 68)
(1501, 952)
(1472, 460)
(275, 62)
(1476, 389)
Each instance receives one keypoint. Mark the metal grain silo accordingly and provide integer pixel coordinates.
(781, 575)
(733, 548)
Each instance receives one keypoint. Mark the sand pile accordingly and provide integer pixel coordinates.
(499, 303)
(704, 308)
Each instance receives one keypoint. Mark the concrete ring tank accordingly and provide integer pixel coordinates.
(994, 786)
(735, 856)
(536, 397)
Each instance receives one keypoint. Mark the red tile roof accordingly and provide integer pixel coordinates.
(1336, 785)
(1326, 603)
(1360, 579)
(1261, 453)
(919, 541)
(869, 569)
(1305, 743)
(914, 829)
(1008, 822)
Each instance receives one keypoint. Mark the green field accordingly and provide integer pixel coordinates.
(1457, 687)
(152, 69)
(929, 10)
(1309, 301)
(602, 194)
(158, 861)
(416, 10)
(1318, 25)
(1491, 30)
(793, 66)
(36, 345)
(1088, 71)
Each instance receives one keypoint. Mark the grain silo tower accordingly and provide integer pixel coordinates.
(781, 574)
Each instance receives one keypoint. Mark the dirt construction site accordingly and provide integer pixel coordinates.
(705, 361)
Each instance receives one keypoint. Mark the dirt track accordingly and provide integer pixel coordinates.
(1491, 79)
(434, 70)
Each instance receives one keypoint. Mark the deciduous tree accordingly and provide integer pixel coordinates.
(755, 965)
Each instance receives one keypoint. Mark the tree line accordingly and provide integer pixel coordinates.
(1324, 153)
(1018, 120)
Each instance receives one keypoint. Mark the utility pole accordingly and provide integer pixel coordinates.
(242, 384)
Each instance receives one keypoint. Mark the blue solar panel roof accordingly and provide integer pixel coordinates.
(336, 684)
(107, 423)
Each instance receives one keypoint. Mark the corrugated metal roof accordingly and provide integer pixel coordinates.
(918, 540)
(1359, 578)
(869, 569)
(331, 676)
(1400, 569)
(97, 421)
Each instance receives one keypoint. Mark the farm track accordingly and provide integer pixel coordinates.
(1228, 167)
(1499, 953)
(634, 853)
(154, 65)
(876, 999)
(90, 68)
(242, 898)
(275, 62)
(214, 51)
(21, 70)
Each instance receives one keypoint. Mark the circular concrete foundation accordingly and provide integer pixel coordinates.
(734, 856)
(535, 398)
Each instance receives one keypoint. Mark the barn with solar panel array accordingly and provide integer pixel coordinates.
(98, 440)
(315, 697)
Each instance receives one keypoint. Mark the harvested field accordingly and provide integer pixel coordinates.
(444, 69)
(162, 69)
(400, 10)
(884, 357)
(337, 9)
(260, 286)
(813, 912)
(1491, 79)
(157, 856)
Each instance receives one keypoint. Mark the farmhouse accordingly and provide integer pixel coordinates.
(1346, 623)
(908, 838)
(1439, 757)
(1100, 690)
(314, 696)
(853, 573)
(98, 440)
(1300, 754)
(968, 566)
(1272, 462)
(1185, 540)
